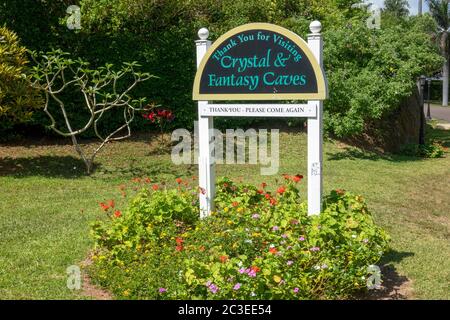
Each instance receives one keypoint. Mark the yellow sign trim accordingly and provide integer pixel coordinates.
(322, 92)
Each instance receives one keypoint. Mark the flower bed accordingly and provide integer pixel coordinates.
(256, 245)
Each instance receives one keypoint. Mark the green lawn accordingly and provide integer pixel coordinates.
(46, 204)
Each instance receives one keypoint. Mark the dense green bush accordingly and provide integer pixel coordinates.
(370, 71)
(257, 245)
(17, 99)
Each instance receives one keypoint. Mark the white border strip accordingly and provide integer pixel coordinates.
(259, 110)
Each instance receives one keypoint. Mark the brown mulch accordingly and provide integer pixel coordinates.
(90, 290)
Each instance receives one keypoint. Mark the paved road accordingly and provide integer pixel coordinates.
(438, 112)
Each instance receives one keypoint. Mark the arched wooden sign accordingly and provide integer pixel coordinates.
(259, 61)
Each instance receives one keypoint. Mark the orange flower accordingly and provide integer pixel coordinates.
(281, 190)
(255, 269)
(223, 259)
(340, 192)
(273, 201)
(267, 196)
(104, 206)
(287, 177)
(273, 250)
(201, 248)
(179, 248)
(297, 178)
(179, 180)
(179, 241)
(155, 187)
(235, 204)
(264, 185)
(148, 180)
(260, 191)
(111, 203)
(117, 214)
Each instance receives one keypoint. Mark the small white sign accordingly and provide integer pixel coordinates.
(259, 110)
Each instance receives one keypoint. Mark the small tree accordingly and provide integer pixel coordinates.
(55, 72)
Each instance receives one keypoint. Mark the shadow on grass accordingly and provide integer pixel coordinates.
(153, 170)
(48, 166)
(353, 153)
(443, 136)
(395, 286)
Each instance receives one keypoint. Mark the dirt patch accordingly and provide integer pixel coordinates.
(394, 287)
(89, 289)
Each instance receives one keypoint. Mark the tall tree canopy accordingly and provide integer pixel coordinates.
(439, 9)
(398, 8)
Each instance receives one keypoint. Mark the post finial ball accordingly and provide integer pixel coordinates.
(315, 26)
(203, 34)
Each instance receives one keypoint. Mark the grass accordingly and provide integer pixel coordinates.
(46, 204)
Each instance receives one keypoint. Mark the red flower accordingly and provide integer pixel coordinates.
(179, 180)
(179, 248)
(104, 206)
(117, 214)
(281, 190)
(286, 176)
(273, 201)
(223, 259)
(179, 241)
(264, 185)
(148, 180)
(297, 178)
(149, 116)
(260, 191)
(111, 203)
(273, 250)
(235, 204)
(155, 187)
(267, 196)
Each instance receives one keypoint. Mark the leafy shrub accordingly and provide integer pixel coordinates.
(17, 99)
(428, 150)
(256, 245)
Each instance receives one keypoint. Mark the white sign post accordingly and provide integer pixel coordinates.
(313, 110)
(315, 136)
(206, 170)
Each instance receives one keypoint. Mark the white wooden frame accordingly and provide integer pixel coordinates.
(313, 110)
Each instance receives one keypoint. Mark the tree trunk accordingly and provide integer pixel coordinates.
(445, 74)
(89, 166)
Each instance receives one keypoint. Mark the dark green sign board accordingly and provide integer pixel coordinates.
(259, 61)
